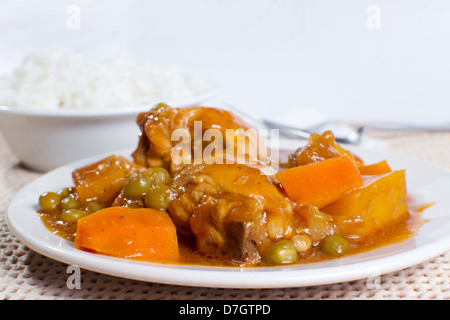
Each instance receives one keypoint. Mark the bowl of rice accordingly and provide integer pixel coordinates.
(60, 106)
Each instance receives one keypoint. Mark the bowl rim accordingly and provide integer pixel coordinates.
(63, 113)
(104, 112)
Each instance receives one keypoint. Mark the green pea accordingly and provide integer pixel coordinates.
(69, 203)
(158, 198)
(159, 176)
(334, 245)
(72, 215)
(137, 186)
(49, 200)
(159, 107)
(94, 207)
(281, 252)
(64, 192)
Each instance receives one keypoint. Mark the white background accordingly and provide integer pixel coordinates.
(270, 57)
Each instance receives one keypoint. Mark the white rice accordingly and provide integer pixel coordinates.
(63, 79)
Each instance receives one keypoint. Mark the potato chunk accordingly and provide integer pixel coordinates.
(103, 180)
(381, 202)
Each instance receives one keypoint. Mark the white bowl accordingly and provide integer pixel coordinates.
(43, 140)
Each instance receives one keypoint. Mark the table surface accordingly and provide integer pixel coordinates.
(25, 274)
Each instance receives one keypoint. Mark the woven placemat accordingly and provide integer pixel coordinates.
(25, 274)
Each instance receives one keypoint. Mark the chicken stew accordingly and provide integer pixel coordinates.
(323, 203)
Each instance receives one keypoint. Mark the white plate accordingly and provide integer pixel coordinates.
(426, 182)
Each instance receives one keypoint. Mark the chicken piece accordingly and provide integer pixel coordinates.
(232, 210)
(163, 127)
(319, 148)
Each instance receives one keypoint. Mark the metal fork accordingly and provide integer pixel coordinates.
(293, 132)
(353, 137)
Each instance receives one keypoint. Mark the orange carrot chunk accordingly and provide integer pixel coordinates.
(320, 183)
(142, 234)
(381, 167)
